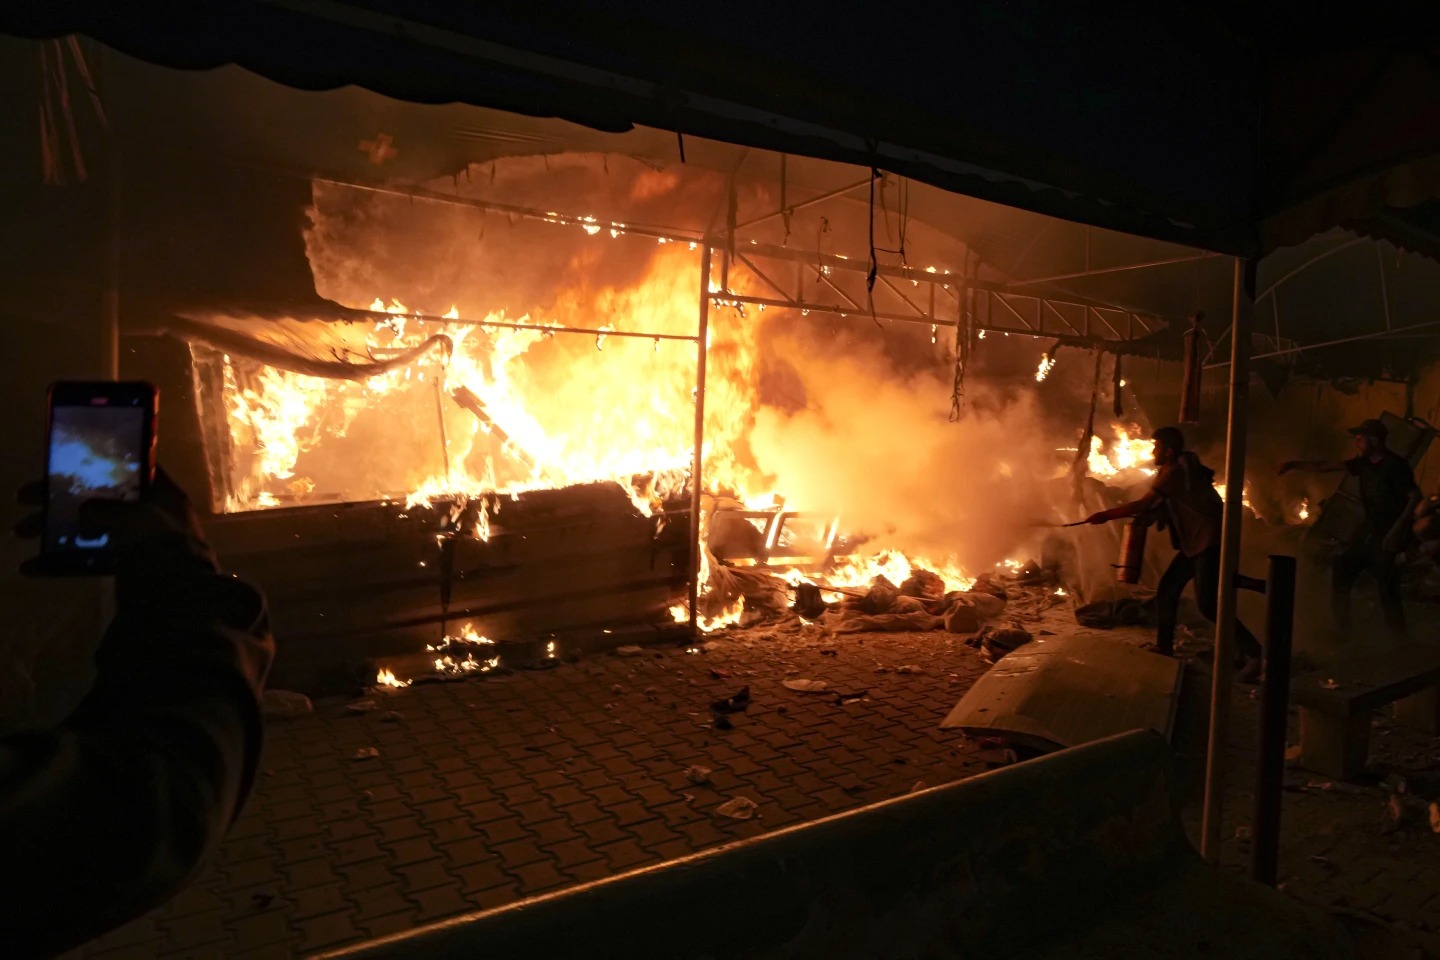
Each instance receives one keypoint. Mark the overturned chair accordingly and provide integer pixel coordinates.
(1077, 854)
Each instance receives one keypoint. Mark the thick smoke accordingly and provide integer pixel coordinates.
(874, 444)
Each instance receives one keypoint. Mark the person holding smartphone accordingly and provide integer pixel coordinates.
(107, 815)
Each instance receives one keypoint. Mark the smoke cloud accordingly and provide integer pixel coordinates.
(874, 444)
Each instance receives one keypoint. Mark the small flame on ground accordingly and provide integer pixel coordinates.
(386, 678)
(1047, 363)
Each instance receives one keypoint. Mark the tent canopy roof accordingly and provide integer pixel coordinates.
(1234, 128)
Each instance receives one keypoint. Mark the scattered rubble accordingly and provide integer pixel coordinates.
(806, 686)
(366, 753)
(629, 651)
(737, 702)
(738, 808)
(697, 774)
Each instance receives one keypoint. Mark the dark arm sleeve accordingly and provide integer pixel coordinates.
(1353, 465)
(108, 815)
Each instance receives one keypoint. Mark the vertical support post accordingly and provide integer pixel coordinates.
(1274, 712)
(1229, 559)
(696, 478)
(1384, 286)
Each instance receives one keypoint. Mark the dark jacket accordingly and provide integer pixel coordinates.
(106, 816)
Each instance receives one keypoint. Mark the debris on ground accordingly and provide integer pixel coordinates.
(738, 808)
(697, 774)
(806, 686)
(995, 642)
(1434, 815)
(845, 699)
(391, 716)
(917, 786)
(366, 753)
(737, 702)
(629, 651)
(616, 689)
(910, 668)
(285, 703)
(361, 706)
(717, 674)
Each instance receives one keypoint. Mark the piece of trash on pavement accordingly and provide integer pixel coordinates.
(917, 786)
(737, 808)
(910, 668)
(629, 651)
(717, 674)
(806, 686)
(737, 702)
(361, 706)
(698, 774)
(366, 753)
(391, 716)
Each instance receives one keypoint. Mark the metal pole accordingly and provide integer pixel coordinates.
(1229, 561)
(696, 477)
(1274, 712)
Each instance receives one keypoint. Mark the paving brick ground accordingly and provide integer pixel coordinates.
(492, 790)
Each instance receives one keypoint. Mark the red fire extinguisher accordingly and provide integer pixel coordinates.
(1132, 550)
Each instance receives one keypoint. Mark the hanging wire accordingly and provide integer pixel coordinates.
(964, 339)
(874, 262)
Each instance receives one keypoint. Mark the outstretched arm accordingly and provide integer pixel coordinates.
(1131, 509)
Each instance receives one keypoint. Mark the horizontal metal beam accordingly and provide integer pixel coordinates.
(510, 209)
(821, 198)
(1192, 258)
(1376, 335)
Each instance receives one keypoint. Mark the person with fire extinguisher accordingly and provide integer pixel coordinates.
(1389, 495)
(106, 815)
(1183, 499)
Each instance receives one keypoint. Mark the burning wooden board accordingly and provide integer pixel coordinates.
(1064, 691)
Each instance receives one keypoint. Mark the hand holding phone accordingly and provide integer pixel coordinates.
(101, 446)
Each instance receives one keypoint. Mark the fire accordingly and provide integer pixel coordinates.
(1304, 511)
(518, 409)
(386, 678)
(1047, 363)
(1127, 452)
(1244, 493)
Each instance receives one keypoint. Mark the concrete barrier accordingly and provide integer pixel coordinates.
(1070, 855)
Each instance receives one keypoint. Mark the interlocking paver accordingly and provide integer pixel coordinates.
(492, 790)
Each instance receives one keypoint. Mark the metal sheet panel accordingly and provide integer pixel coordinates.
(1065, 691)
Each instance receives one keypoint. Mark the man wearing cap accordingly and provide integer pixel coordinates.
(1389, 496)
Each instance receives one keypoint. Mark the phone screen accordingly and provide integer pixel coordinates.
(99, 449)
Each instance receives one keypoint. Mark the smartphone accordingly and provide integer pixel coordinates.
(101, 445)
